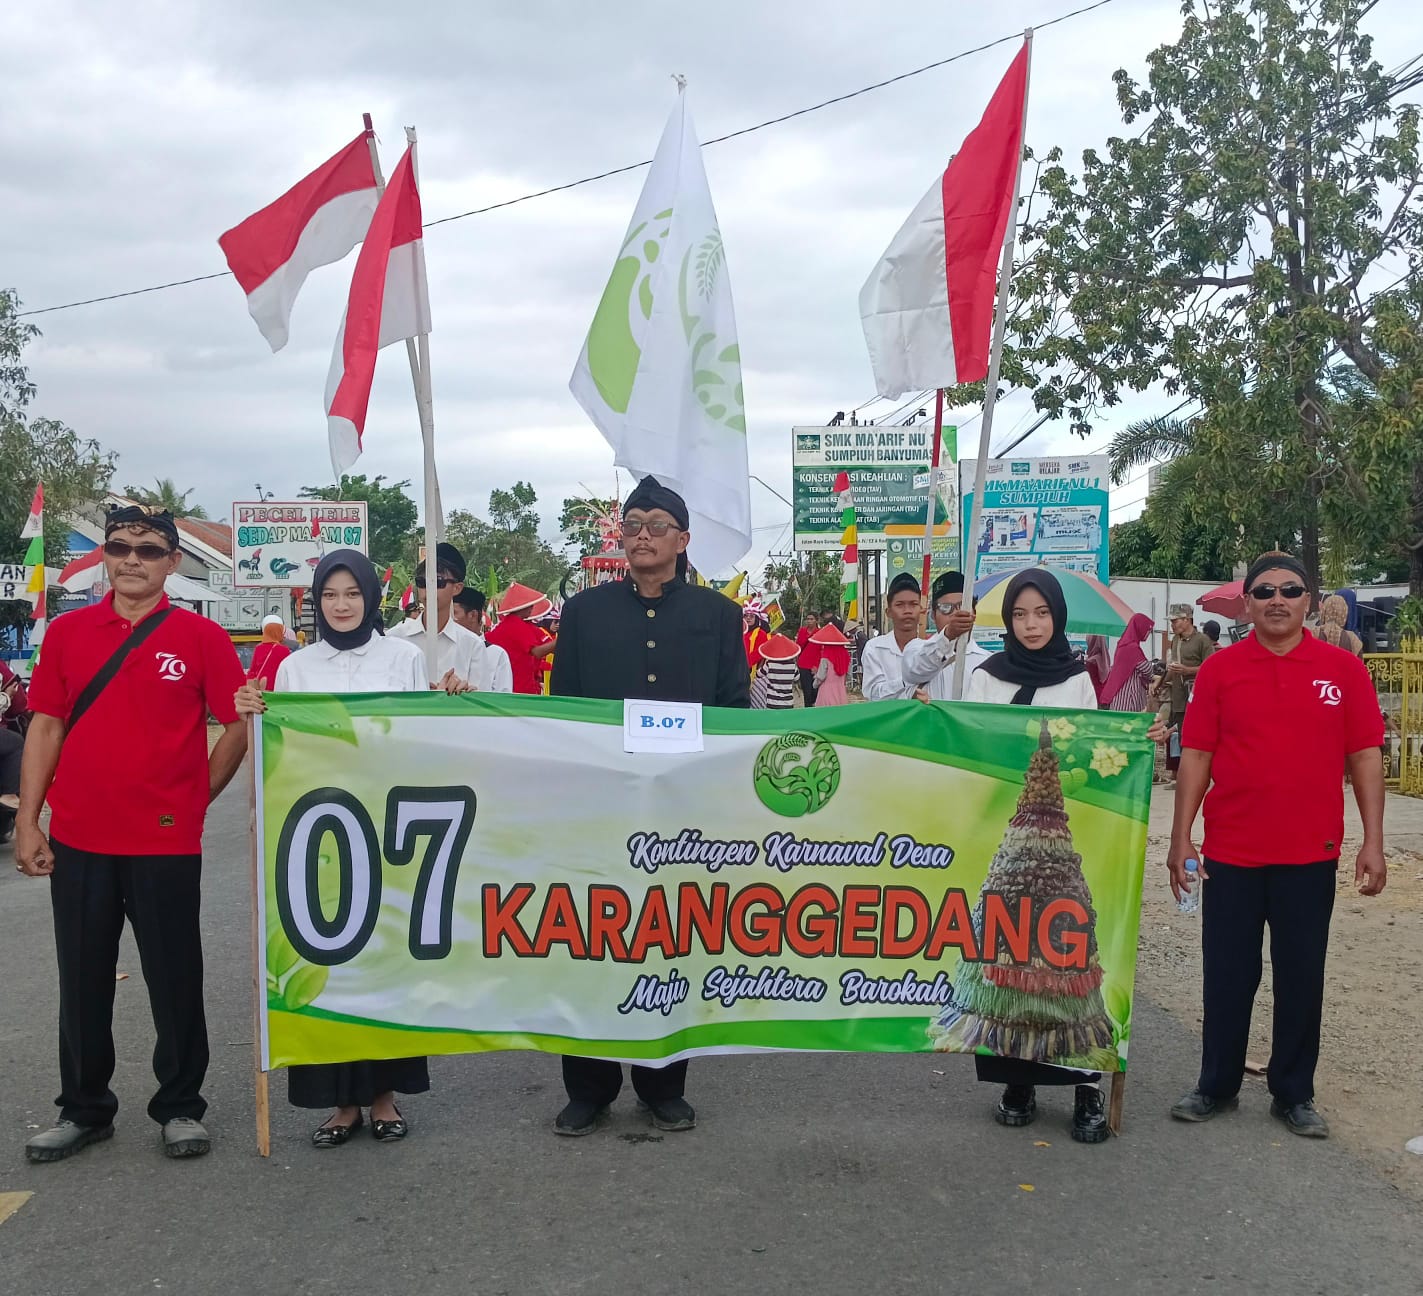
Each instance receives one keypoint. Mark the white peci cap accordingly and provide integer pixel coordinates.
(273, 619)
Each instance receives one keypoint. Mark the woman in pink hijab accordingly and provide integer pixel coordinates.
(1127, 683)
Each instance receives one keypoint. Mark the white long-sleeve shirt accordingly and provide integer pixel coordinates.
(464, 652)
(1076, 694)
(929, 664)
(882, 678)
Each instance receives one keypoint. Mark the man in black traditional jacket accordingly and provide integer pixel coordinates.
(653, 636)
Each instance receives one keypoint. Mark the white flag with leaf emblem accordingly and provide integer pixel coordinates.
(660, 372)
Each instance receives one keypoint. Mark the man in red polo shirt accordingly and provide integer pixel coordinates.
(127, 774)
(1275, 723)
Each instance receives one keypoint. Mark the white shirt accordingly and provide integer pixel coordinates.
(382, 665)
(1076, 693)
(462, 651)
(880, 661)
(928, 664)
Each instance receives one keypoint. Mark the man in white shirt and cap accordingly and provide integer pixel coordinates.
(460, 655)
(928, 665)
(881, 657)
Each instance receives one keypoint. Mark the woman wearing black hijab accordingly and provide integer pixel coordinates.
(353, 655)
(1037, 667)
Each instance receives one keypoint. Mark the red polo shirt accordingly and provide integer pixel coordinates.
(133, 775)
(1279, 729)
(809, 657)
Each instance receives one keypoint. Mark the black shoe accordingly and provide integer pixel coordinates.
(1089, 1116)
(580, 1118)
(1301, 1118)
(1197, 1106)
(64, 1140)
(1017, 1106)
(670, 1114)
(336, 1135)
(387, 1131)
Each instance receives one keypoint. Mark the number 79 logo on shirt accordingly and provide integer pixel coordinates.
(1329, 692)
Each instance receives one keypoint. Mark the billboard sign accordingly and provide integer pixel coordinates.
(278, 544)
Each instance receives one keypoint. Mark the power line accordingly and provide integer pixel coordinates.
(631, 166)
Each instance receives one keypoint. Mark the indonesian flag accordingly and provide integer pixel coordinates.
(317, 221)
(84, 572)
(385, 584)
(850, 538)
(927, 307)
(34, 524)
(407, 598)
(389, 301)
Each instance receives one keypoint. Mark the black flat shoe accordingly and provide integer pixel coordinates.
(1089, 1116)
(335, 1135)
(384, 1131)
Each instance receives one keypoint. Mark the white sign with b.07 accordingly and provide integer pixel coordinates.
(278, 543)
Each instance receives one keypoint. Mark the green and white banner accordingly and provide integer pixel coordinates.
(451, 875)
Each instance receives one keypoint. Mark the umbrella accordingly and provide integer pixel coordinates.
(1091, 607)
(1225, 600)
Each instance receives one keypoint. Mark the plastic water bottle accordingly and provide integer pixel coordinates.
(1190, 900)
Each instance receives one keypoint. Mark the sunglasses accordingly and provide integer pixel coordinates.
(1263, 593)
(948, 609)
(145, 552)
(440, 581)
(631, 530)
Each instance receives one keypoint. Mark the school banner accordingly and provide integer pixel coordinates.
(450, 875)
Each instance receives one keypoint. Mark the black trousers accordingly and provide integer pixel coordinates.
(160, 895)
(1297, 901)
(1016, 1071)
(597, 1080)
(807, 687)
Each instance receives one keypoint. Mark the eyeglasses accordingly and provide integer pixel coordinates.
(1264, 593)
(948, 609)
(440, 581)
(631, 530)
(145, 552)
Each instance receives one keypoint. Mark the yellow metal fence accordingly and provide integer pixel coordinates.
(1398, 679)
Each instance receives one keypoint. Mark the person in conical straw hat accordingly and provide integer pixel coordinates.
(774, 686)
(834, 665)
(520, 638)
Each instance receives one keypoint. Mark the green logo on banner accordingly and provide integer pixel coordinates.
(796, 774)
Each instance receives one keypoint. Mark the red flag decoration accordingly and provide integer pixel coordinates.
(407, 598)
(927, 307)
(317, 221)
(34, 524)
(315, 527)
(850, 538)
(389, 301)
(84, 571)
(385, 584)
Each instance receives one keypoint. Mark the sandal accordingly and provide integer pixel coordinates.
(388, 1130)
(335, 1135)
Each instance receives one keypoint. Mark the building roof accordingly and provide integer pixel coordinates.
(216, 535)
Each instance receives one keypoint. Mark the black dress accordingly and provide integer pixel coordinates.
(684, 646)
(355, 1084)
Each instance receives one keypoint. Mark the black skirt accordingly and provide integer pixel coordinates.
(1016, 1071)
(355, 1084)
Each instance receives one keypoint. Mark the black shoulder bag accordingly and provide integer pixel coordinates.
(110, 668)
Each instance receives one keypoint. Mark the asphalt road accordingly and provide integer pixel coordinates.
(827, 1174)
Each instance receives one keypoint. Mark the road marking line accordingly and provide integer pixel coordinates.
(11, 1202)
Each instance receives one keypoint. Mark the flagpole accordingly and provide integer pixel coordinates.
(425, 407)
(929, 512)
(434, 517)
(990, 395)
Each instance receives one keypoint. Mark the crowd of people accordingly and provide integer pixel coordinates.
(1264, 733)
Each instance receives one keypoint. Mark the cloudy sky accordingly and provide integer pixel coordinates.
(134, 134)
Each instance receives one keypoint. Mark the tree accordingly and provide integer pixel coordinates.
(583, 522)
(1246, 237)
(808, 582)
(391, 510)
(507, 547)
(75, 471)
(166, 495)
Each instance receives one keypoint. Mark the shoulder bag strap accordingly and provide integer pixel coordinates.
(110, 668)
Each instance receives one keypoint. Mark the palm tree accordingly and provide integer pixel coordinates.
(167, 496)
